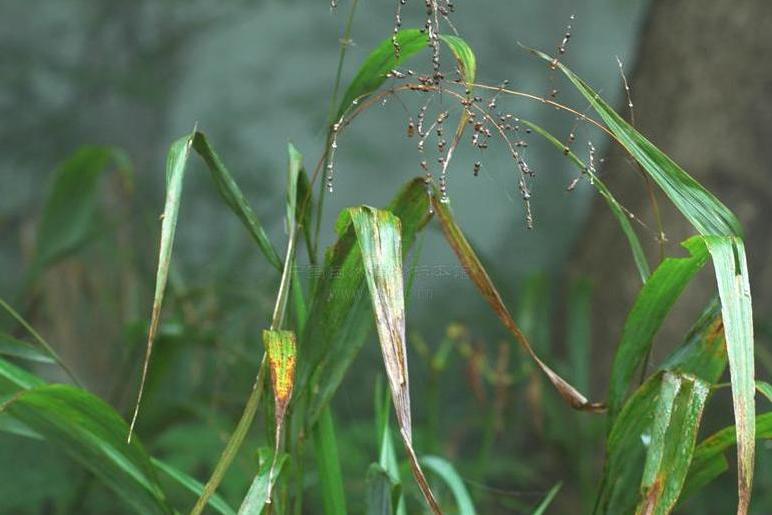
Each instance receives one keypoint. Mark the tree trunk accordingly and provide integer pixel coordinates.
(702, 91)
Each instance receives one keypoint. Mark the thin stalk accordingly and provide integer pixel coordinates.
(41, 341)
(234, 442)
(344, 43)
(250, 409)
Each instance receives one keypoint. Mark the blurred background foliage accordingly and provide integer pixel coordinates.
(253, 75)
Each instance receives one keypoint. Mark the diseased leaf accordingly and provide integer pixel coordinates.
(723, 235)
(673, 436)
(94, 435)
(380, 241)
(281, 350)
(339, 316)
(231, 195)
(479, 276)
(652, 305)
(728, 255)
(703, 355)
(445, 470)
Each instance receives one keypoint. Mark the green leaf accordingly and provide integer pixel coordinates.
(479, 276)
(259, 492)
(379, 239)
(652, 305)
(381, 491)
(541, 509)
(616, 208)
(765, 389)
(95, 435)
(339, 317)
(328, 464)
(445, 470)
(703, 355)
(705, 212)
(709, 460)
(13, 378)
(381, 61)
(673, 436)
(192, 485)
(69, 216)
(10, 346)
(176, 162)
(467, 62)
(723, 236)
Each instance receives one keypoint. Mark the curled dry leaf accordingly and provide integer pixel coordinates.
(379, 237)
(479, 276)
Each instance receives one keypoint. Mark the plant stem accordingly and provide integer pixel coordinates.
(234, 443)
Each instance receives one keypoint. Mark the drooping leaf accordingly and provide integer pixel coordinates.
(709, 459)
(92, 433)
(380, 491)
(380, 241)
(652, 305)
(10, 346)
(233, 197)
(616, 208)
(70, 213)
(192, 485)
(445, 470)
(339, 316)
(723, 236)
(673, 436)
(479, 276)
(259, 492)
(703, 355)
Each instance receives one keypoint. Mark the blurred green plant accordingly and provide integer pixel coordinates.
(319, 324)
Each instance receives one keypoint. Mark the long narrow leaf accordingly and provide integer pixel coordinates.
(259, 493)
(723, 234)
(673, 436)
(652, 305)
(94, 435)
(192, 485)
(231, 194)
(445, 470)
(380, 241)
(482, 280)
